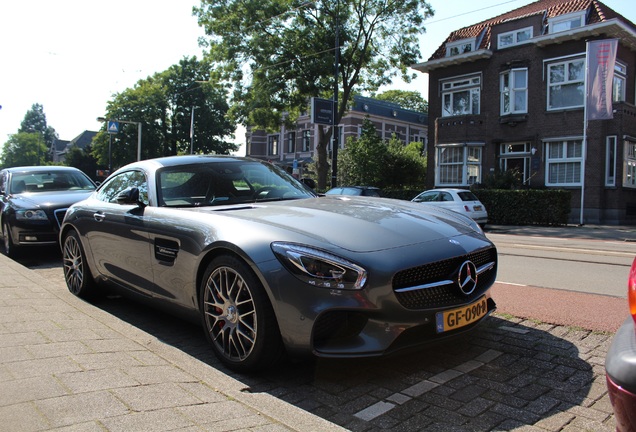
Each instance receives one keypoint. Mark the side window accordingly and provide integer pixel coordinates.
(446, 197)
(430, 197)
(109, 192)
(3, 182)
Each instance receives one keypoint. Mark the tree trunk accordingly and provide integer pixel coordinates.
(322, 162)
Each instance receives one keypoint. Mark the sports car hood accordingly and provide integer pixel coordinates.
(359, 224)
(61, 199)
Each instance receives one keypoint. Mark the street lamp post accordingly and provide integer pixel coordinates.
(103, 119)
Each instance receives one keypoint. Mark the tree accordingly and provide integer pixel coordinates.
(406, 99)
(23, 148)
(163, 105)
(35, 122)
(369, 161)
(362, 160)
(278, 53)
(82, 160)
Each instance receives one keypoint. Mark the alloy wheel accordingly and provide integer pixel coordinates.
(73, 265)
(230, 314)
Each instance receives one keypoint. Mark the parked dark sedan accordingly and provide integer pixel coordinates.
(269, 267)
(33, 201)
(620, 364)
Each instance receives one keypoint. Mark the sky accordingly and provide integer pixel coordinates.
(72, 56)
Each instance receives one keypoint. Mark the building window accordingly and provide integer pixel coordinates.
(460, 47)
(291, 142)
(563, 162)
(461, 96)
(514, 91)
(272, 144)
(629, 179)
(620, 80)
(514, 37)
(566, 22)
(458, 165)
(306, 140)
(516, 156)
(566, 84)
(610, 161)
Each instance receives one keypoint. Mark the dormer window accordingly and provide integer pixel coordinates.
(460, 47)
(566, 22)
(514, 37)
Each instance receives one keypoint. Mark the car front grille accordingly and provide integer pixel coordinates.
(433, 285)
(59, 216)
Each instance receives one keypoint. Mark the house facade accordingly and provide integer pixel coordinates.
(285, 146)
(510, 93)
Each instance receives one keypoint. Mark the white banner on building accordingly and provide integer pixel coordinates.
(601, 58)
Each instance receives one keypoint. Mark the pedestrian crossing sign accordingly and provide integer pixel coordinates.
(113, 127)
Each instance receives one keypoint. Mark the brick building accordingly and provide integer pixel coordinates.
(509, 93)
(286, 145)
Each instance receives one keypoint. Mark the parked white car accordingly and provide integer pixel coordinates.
(459, 200)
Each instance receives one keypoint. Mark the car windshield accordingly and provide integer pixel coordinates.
(47, 181)
(222, 183)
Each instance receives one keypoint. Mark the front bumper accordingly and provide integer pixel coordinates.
(620, 368)
(34, 233)
(401, 306)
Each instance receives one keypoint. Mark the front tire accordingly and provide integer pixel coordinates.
(238, 318)
(8, 247)
(76, 272)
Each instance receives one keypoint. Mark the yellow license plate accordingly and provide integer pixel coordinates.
(460, 317)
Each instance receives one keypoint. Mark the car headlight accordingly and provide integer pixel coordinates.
(320, 268)
(31, 215)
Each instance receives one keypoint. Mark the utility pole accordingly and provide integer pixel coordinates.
(334, 129)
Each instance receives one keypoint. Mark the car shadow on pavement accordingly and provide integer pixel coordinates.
(504, 375)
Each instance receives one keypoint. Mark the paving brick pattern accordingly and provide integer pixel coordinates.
(509, 375)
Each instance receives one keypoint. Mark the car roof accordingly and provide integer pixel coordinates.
(40, 168)
(170, 161)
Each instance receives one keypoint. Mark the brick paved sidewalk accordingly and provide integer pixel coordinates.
(66, 364)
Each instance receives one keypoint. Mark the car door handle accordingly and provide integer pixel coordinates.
(99, 217)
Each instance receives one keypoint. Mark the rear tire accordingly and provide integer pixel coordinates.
(77, 275)
(238, 319)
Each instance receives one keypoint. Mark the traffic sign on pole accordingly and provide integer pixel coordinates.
(113, 127)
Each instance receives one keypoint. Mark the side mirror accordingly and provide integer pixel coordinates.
(308, 182)
(129, 196)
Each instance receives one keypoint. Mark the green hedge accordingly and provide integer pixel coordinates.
(526, 206)
(403, 194)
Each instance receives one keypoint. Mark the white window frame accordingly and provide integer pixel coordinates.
(306, 141)
(516, 150)
(465, 162)
(629, 170)
(291, 142)
(512, 92)
(516, 37)
(453, 87)
(620, 82)
(610, 160)
(569, 157)
(578, 81)
(462, 46)
(272, 144)
(566, 22)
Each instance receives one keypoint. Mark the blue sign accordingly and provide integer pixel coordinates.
(113, 127)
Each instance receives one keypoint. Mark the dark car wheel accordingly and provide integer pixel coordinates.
(76, 273)
(8, 248)
(238, 318)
